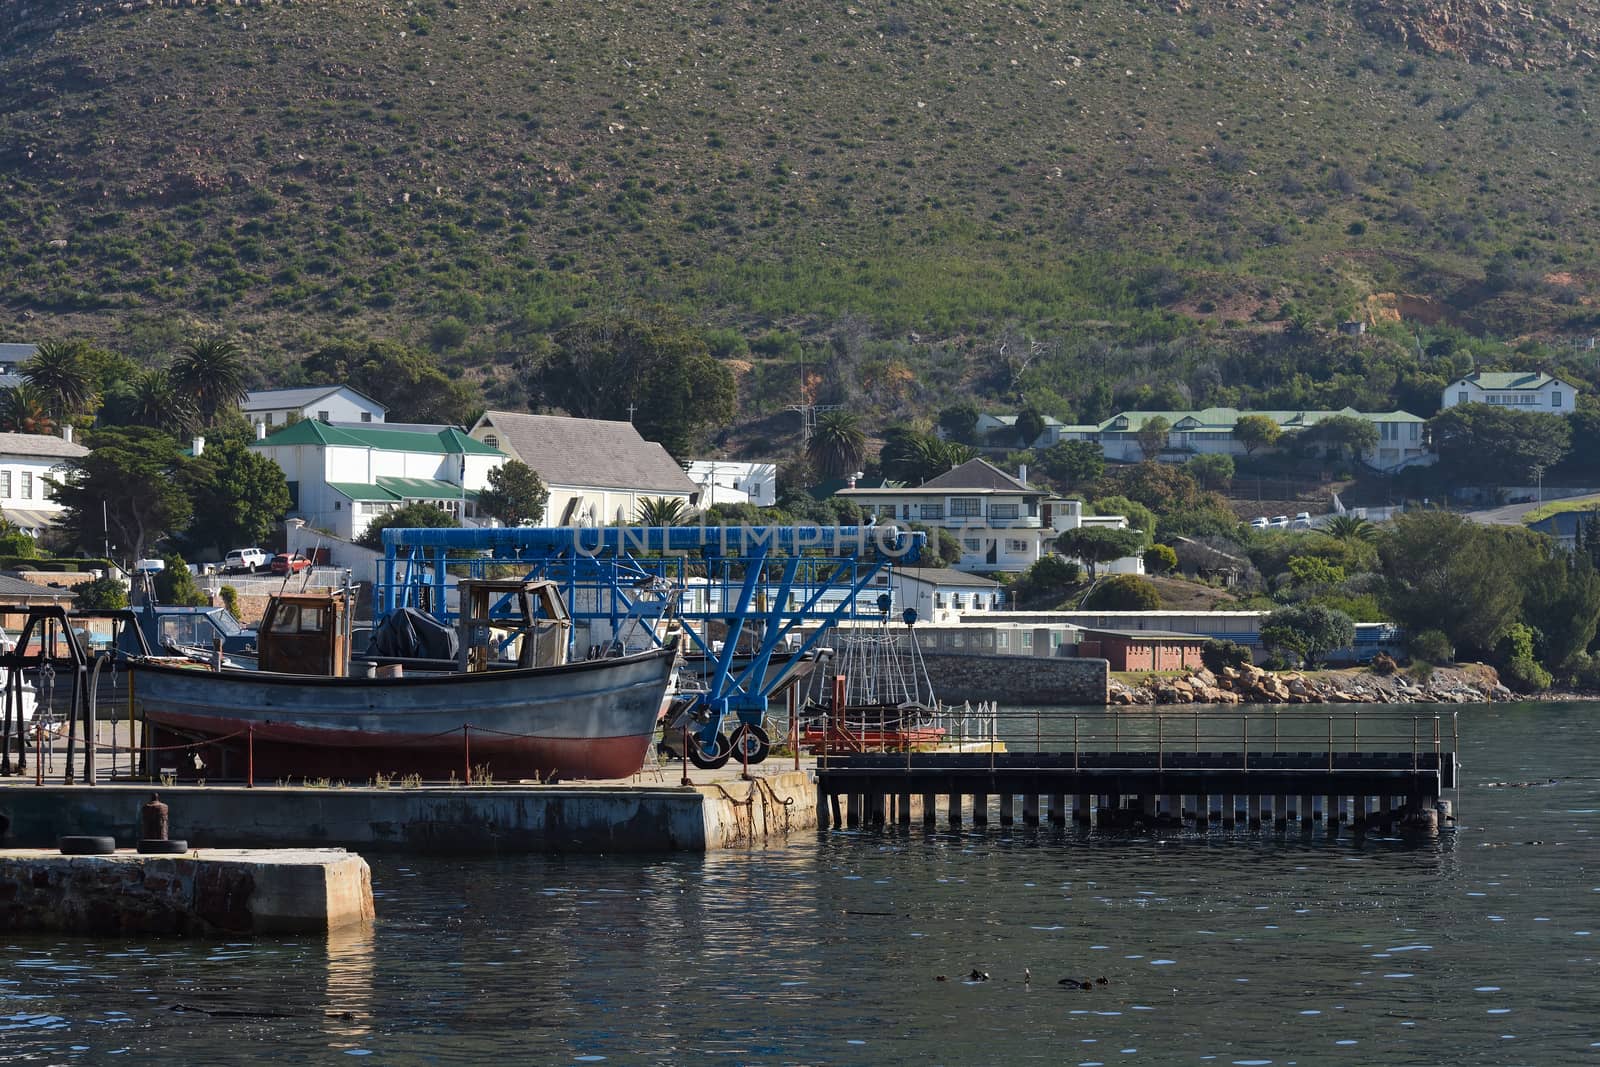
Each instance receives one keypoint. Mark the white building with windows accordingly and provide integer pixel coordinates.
(598, 471)
(28, 463)
(1518, 390)
(342, 477)
(728, 481)
(1401, 442)
(274, 408)
(1004, 524)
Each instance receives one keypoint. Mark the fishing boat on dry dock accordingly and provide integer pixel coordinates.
(513, 706)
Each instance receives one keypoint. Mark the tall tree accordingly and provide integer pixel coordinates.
(140, 477)
(959, 422)
(1445, 573)
(515, 494)
(1482, 444)
(913, 457)
(24, 409)
(1073, 463)
(1030, 424)
(655, 370)
(61, 371)
(837, 445)
(211, 373)
(239, 495)
(405, 380)
(157, 402)
(1311, 631)
(1343, 436)
(1095, 545)
(1153, 436)
(1256, 431)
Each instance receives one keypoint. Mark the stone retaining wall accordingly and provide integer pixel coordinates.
(958, 677)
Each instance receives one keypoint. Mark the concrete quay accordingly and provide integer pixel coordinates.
(205, 892)
(649, 813)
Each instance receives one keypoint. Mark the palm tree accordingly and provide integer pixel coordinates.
(1350, 528)
(662, 511)
(61, 374)
(158, 403)
(211, 373)
(837, 445)
(25, 409)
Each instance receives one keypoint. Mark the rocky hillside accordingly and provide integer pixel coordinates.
(471, 175)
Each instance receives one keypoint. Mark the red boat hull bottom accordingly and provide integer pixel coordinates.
(287, 753)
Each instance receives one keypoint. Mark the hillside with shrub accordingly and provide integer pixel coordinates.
(1083, 205)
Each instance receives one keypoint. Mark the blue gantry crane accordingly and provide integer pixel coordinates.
(726, 588)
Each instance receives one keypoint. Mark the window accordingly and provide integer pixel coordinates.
(932, 511)
(1002, 511)
(338, 505)
(1002, 639)
(938, 601)
(269, 420)
(965, 507)
(322, 416)
(27, 485)
(958, 602)
(1416, 432)
(1555, 400)
(5, 483)
(491, 440)
(1013, 545)
(970, 544)
(1461, 397)
(366, 416)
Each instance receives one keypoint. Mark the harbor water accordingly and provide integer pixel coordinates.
(1481, 946)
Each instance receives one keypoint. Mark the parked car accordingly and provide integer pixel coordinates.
(1258, 523)
(244, 560)
(289, 563)
(1279, 522)
(1302, 520)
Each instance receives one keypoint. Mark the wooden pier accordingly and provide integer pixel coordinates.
(1268, 783)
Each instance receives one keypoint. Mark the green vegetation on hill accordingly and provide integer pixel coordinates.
(1073, 202)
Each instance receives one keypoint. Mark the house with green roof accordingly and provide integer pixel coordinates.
(1401, 442)
(1518, 390)
(342, 476)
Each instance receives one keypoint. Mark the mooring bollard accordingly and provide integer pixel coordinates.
(153, 819)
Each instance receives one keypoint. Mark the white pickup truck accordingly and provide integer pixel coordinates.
(244, 560)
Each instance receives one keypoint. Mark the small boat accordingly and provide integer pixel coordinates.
(517, 718)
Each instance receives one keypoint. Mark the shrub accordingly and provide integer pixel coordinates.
(1160, 559)
(1383, 664)
(230, 599)
(1123, 592)
(175, 585)
(101, 594)
(1524, 674)
(1217, 654)
(1432, 646)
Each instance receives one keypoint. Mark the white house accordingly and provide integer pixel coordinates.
(994, 431)
(726, 481)
(342, 476)
(597, 471)
(940, 594)
(27, 461)
(1004, 524)
(1521, 391)
(272, 408)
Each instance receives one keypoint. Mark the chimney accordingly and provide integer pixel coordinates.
(261, 431)
(850, 483)
(199, 446)
(66, 432)
(1022, 472)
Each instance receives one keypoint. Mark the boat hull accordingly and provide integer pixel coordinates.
(593, 719)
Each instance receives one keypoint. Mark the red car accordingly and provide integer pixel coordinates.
(286, 563)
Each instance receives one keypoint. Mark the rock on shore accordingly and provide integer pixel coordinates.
(1253, 685)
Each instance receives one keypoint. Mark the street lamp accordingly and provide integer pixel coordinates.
(1537, 470)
